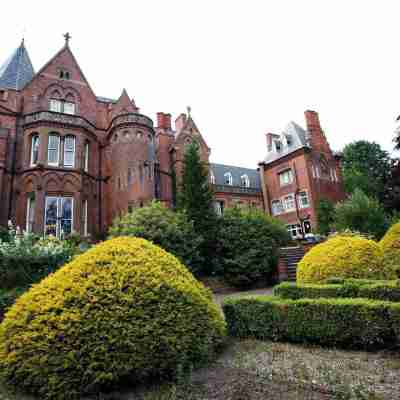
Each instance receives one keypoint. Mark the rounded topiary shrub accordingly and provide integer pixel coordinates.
(390, 245)
(343, 256)
(124, 309)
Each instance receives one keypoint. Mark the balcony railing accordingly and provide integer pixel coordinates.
(55, 117)
(132, 118)
(236, 189)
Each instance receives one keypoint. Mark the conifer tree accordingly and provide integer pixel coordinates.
(196, 197)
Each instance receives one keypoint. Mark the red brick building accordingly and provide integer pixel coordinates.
(299, 170)
(73, 161)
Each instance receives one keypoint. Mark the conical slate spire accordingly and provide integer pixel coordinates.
(17, 70)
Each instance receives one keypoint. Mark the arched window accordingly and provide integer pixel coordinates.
(228, 178)
(53, 149)
(35, 142)
(245, 180)
(212, 177)
(69, 151)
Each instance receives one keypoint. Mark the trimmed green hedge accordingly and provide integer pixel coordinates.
(376, 290)
(355, 323)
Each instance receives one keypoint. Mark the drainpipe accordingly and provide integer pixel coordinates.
(13, 169)
(100, 215)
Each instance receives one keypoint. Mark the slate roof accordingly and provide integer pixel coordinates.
(17, 71)
(219, 170)
(297, 137)
(105, 99)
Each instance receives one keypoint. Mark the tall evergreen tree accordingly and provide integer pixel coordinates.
(195, 197)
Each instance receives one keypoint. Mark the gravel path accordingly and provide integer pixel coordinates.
(219, 298)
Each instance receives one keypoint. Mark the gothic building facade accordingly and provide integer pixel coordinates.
(71, 161)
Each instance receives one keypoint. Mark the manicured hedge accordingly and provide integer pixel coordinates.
(377, 290)
(355, 323)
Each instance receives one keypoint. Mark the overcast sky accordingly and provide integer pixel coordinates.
(245, 67)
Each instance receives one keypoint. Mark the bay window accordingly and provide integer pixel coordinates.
(62, 106)
(58, 219)
(30, 214)
(53, 150)
(69, 151)
(35, 142)
(277, 207)
(86, 157)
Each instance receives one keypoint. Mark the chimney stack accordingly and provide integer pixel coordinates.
(269, 137)
(180, 122)
(163, 121)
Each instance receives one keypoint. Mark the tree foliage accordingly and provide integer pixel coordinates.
(247, 246)
(325, 215)
(164, 227)
(195, 197)
(362, 214)
(366, 166)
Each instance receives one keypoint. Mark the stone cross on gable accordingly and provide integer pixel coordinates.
(67, 36)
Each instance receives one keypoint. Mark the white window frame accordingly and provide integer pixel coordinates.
(274, 209)
(34, 138)
(303, 194)
(228, 180)
(57, 162)
(289, 203)
(245, 181)
(219, 206)
(55, 105)
(66, 151)
(59, 208)
(297, 228)
(85, 217)
(285, 177)
(29, 208)
(86, 156)
(212, 178)
(68, 108)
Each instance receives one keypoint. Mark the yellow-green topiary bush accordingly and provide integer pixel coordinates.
(390, 245)
(343, 256)
(124, 309)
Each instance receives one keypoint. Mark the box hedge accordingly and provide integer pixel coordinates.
(344, 256)
(354, 323)
(377, 290)
(124, 309)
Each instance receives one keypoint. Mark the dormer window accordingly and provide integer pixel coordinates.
(228, 179)
(212, 178)
(63, 74)
(60, 106)
(278, 145)
(245, 181)
(289, 140)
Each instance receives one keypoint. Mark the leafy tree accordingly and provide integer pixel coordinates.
(366, 166)
(248, 242)
(170, 230)
(325, 216)
(195, 198)
(362, 214)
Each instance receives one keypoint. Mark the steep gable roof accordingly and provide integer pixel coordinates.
(17, 70)
(124, 104)
(297, 139)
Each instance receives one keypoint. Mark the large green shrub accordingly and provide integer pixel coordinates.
(390, 245)
(169, 229)
(333, 322)
(343, 256)
(7, 299)
(378, 290)
(25, 259)
(362, 214)
(247, 246)
(124, 309)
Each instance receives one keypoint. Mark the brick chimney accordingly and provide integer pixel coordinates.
(180, 122)
(315, 134)
(269, 136)
(164, 120)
